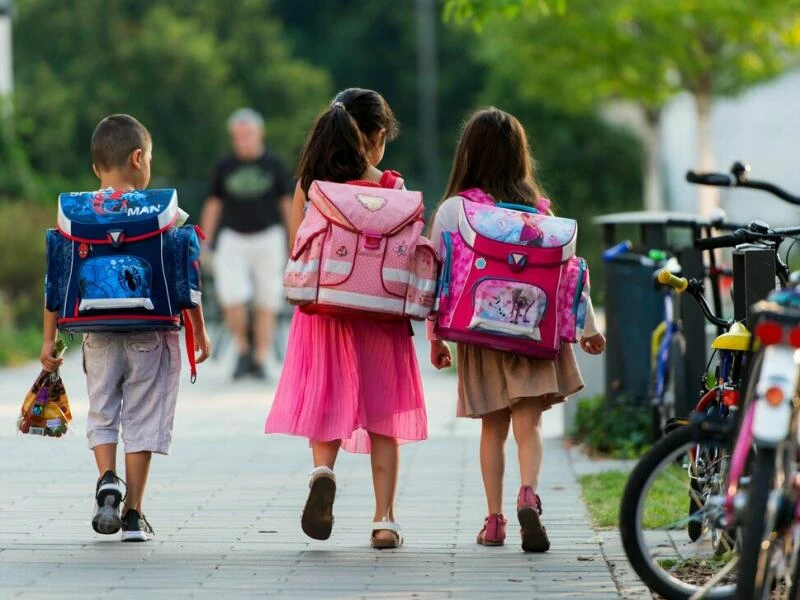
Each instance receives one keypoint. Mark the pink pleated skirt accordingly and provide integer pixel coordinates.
(343, 378)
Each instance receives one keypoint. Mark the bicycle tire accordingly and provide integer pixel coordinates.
(754, 521)
(654, 576)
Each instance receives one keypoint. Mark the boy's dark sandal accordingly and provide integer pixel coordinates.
(135, 527)
(108, 496)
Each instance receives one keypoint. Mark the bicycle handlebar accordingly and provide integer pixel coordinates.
(756, 232)
(679, 284)
(738, 177)
(715, 179)
(721, 241)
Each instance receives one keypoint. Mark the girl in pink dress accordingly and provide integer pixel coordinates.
(349, 383)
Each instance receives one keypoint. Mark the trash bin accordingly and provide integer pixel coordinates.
(634, 308)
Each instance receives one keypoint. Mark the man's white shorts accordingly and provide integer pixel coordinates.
(249, 267)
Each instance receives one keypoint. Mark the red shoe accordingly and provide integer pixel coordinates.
(494, 531)
(529, 507)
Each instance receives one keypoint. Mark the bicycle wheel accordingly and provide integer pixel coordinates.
(653, 517)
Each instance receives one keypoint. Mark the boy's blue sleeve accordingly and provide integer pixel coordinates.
(193, 269)
(58, 256)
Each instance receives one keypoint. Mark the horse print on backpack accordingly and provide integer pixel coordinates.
(509, 307)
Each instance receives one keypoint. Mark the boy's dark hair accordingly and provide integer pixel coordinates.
(114, 138)
(337, 147)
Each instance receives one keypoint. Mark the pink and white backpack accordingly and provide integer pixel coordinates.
(510, 279)
(359, 252)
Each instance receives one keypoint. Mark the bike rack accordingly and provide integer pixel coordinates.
(755, 267)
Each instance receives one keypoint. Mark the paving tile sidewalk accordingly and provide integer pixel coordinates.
(225, 507)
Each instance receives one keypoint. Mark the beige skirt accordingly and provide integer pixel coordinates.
(489, 380)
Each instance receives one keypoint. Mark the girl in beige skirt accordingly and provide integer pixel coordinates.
(503, 389)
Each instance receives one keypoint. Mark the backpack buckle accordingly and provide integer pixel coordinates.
(372, 241)
(517, 261)
(115, 237)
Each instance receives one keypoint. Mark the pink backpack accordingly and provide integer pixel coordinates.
(359, 252)
(510, 279)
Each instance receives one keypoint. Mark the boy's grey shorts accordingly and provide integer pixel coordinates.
(133, 383)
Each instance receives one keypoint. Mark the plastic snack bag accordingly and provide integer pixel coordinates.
(45, 410)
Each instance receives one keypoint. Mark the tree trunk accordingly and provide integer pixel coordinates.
(651, 166)
(707, 197)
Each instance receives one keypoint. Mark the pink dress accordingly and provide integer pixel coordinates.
(344, 377)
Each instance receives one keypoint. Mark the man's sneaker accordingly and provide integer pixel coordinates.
(244, 366)
(135, 527)
(108, 497)
(259, 371)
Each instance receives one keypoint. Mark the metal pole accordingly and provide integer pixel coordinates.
(6, 69)
(426, 72)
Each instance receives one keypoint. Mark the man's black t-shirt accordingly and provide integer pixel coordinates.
(250, 192)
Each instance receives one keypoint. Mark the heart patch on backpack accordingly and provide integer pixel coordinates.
(371, 203)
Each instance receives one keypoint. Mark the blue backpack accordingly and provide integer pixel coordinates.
(120, 262)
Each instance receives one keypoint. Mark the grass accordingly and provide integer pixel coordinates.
(667, 502)
(603, 493)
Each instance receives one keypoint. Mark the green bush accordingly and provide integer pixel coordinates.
(19, 345)
(621, 430)
(22, 266)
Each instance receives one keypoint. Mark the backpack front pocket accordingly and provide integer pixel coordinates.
(508, 307)
(115, 282)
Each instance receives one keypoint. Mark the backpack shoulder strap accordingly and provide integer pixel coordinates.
(392, 180)
(542, 205)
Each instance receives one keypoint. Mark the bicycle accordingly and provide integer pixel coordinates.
(765, 503)
(667, 340)
(690, 461)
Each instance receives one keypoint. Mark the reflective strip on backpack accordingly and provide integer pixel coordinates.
(296, 266)
(341, 298)
(112, 303)
(338, 267)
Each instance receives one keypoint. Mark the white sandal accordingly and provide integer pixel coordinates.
(386, 525)
(317, 519)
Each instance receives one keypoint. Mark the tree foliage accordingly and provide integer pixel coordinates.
(181, 67)
(477, 12)
(643, 50)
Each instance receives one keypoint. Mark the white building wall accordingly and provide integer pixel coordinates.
(761, 127)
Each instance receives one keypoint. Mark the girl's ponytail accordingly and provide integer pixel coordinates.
(339, 144)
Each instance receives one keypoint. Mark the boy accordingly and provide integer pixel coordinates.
(132, 377)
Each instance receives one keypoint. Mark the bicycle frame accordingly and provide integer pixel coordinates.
(770, 416)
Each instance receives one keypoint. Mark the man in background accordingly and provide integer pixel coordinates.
(246, 213)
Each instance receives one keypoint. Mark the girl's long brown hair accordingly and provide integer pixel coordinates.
(337, 149)
(493, 155)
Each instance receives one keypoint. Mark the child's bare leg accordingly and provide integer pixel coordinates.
(385, 458)
(526, 419)
(494, 431)
(325, 453)
(105, 455)
(137, 467)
